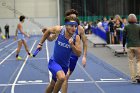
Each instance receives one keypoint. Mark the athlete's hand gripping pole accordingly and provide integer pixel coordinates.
(37, 50)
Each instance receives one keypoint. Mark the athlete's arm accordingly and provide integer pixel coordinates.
(51, 30)
(16, 32)
(76, 48)
(84, 40)
(21, 30)
(51, 37)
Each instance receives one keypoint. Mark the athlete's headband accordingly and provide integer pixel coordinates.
(71, 23)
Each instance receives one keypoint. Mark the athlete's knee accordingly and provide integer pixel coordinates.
(61, 75)
(18, 49)
(61, 78)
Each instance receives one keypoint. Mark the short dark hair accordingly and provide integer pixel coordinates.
(21, 18)
(123, 17)
(111, 17)
(68, 19)
(71, 11)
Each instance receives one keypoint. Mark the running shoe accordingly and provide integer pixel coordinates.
(134, 80)
(31, 55)
(19, 58)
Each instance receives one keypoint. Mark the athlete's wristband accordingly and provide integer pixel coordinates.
(40, 44)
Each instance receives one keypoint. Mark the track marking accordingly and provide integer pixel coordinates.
(50, 74)
(28, 59)
(91, 78)
(7, 46)
(76, 80)
(70, 82)
(3, 42)
(116, 79)
(21, 84)
(7, 57)
(9, 54)
(113, 81)
(13, 86)
(35, 81)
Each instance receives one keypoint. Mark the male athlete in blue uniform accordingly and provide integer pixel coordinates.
(73, 58)
(66, 43)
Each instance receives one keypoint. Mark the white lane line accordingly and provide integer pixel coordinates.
(21, 84)
(9, 54)
(83, 82)
(33, 81)
(4, 89)
(91, 79)
(3, 42)
(70, 82)
(76, 80)
(113, 81)
(50, 74)
(116, 79)
(7, 46)
(7, 57)
(29, 59)
(13, 86)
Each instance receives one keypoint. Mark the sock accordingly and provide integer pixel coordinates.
(29, 53)
(16, 55)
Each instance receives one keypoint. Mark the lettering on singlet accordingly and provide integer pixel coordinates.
(63, 44)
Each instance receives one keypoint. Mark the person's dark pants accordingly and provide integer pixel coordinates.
(108, 37)
(7, 34)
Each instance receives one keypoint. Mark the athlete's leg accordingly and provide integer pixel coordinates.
(50, 87)
(18, 48)
(72, 65)
(58, 75)
(8, 35)
(59, 82)
(65, 83)
(26, 47)
(112, 37)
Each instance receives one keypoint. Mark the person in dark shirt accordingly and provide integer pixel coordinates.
(111, 29)
(7, 31)
(131, 34)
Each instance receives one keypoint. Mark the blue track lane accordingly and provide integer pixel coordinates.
(32, 76)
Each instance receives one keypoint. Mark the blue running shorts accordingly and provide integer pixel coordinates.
(73, 62)
(54, 67)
